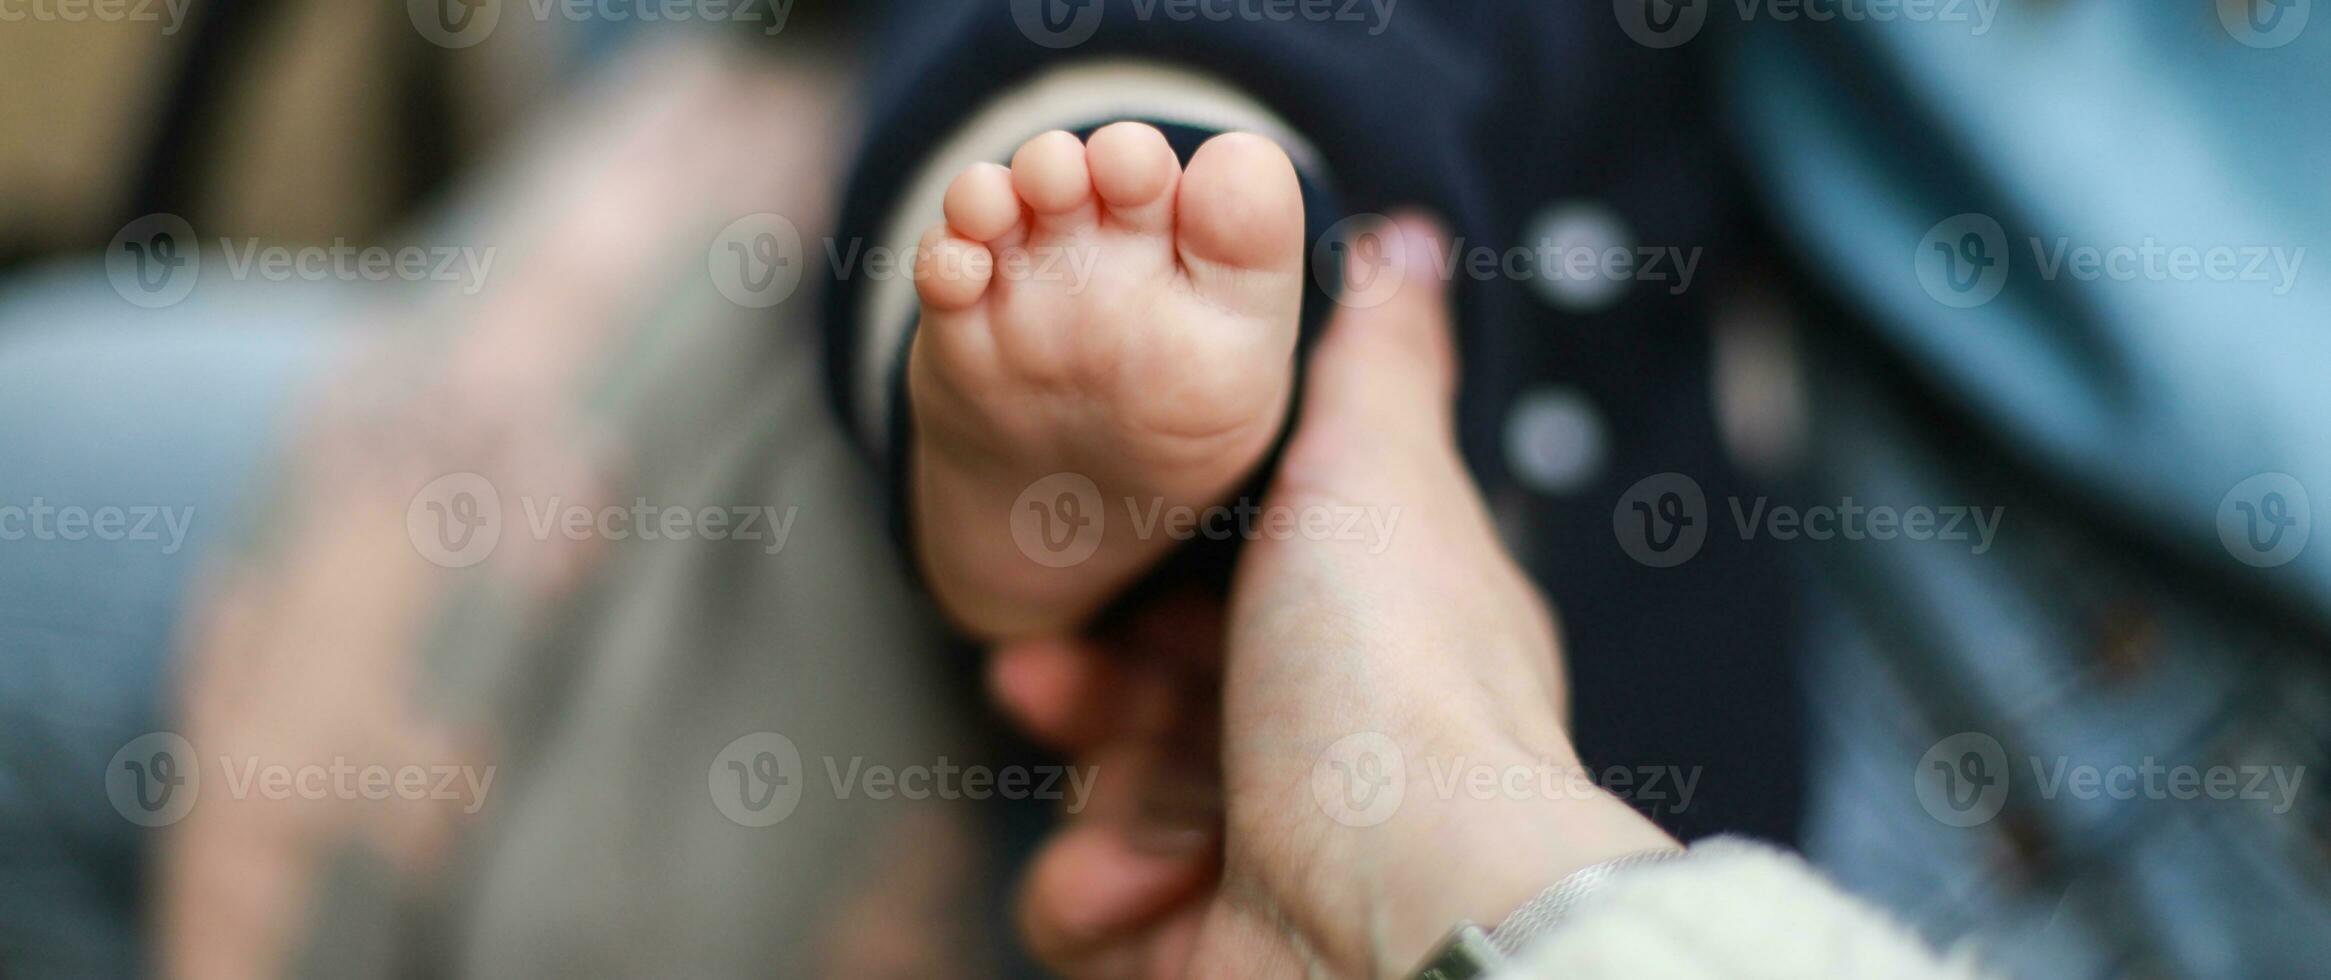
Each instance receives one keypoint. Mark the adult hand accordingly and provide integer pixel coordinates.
(1305, 802)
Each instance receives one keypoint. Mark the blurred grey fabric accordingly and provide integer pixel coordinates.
(606, 683)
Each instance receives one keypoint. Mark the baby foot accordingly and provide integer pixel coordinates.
(1098, 310)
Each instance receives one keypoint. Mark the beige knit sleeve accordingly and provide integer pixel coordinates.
(1731, 909)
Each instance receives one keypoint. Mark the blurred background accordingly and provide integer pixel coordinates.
(1878, 323)
(288, 120)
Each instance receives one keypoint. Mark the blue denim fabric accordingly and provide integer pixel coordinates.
(106, 405)
(2139, 606)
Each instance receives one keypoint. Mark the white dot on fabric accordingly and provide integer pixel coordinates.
(1555, 440)
(1585, 256)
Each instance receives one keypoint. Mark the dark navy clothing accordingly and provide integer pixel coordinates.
(1498, 117)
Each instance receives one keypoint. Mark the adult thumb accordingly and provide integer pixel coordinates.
(1383, 377)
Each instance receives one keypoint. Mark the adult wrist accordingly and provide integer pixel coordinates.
(1484, 827)
(1471, 951)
